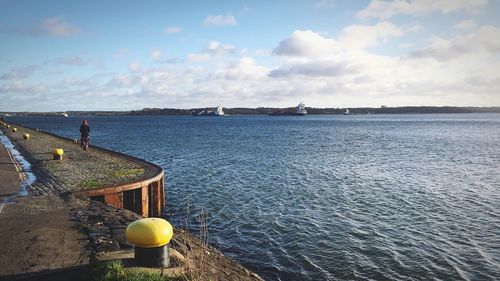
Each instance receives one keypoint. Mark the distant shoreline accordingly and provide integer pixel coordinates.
(268, 110)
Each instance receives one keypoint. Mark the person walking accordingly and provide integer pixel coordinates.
(84, 132)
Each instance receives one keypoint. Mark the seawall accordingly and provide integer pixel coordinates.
(120, 180)
(61, 232)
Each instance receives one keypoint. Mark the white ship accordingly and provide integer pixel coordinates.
(219, 111)
(301, 109)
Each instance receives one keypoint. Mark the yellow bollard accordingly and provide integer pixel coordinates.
(150, 236)
(26, 136)
(14, 130)
(57, 153)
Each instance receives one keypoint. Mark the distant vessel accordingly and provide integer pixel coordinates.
(217, 112)
(64, 114)
(300, 110)
(347, 112)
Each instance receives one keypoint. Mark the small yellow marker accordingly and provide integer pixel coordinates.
(26, 136)
(14, 130)
(57, 153)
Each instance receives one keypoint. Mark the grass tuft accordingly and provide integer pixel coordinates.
(92, 183)
(114, 271)
(127, 173)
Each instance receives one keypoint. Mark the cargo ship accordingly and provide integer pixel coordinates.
(300, 110)
(217, 112)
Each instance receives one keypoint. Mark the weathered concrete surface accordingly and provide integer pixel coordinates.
(56, 231)
(9, 175)
(78, 170)
(36, 234)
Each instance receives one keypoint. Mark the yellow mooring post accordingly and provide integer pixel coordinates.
(57, 153)
(14, 130)
(26, 136)
(150, 236)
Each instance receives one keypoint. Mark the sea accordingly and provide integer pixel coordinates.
(326, 197)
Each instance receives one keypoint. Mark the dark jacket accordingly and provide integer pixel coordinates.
(84, 130)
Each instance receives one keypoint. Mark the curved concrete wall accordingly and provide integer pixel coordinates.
(145, 195)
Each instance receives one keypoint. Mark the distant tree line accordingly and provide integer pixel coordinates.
(313, 110)
(268, 110)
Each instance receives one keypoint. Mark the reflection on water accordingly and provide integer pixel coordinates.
(412, 197)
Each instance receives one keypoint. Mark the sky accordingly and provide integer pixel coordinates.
(129, 55)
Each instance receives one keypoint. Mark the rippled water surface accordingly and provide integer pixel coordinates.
(414, 197)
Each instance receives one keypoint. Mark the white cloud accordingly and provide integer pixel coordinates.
(306, 44)
(244, 69)
(321, 70)
(355, 37)
(55, 26)
(485, 40)
(198, 57)
(412, 27)
(135, 67)
(172, 29)
(216, 48)
(220, 20)
(387, 9)
(465, 25)
(329, 70)
(363, 36)
(157, 56)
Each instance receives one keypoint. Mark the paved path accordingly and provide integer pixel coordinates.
(9, 176)
(79, 170)
(36, 233)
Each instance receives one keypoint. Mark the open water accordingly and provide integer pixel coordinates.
(373, 197)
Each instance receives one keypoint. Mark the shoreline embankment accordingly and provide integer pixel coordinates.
(59, 231)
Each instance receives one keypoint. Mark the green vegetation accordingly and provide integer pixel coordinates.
(93, 183)
(127, 173)
(114, 271)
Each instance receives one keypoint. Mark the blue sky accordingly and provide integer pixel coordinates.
(122, 55)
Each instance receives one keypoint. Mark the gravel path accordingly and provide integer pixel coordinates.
(79, 169)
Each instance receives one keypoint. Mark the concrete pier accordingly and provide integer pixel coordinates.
(103, 175)
(57, 233)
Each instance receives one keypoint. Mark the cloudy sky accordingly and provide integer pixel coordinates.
(122, 55)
